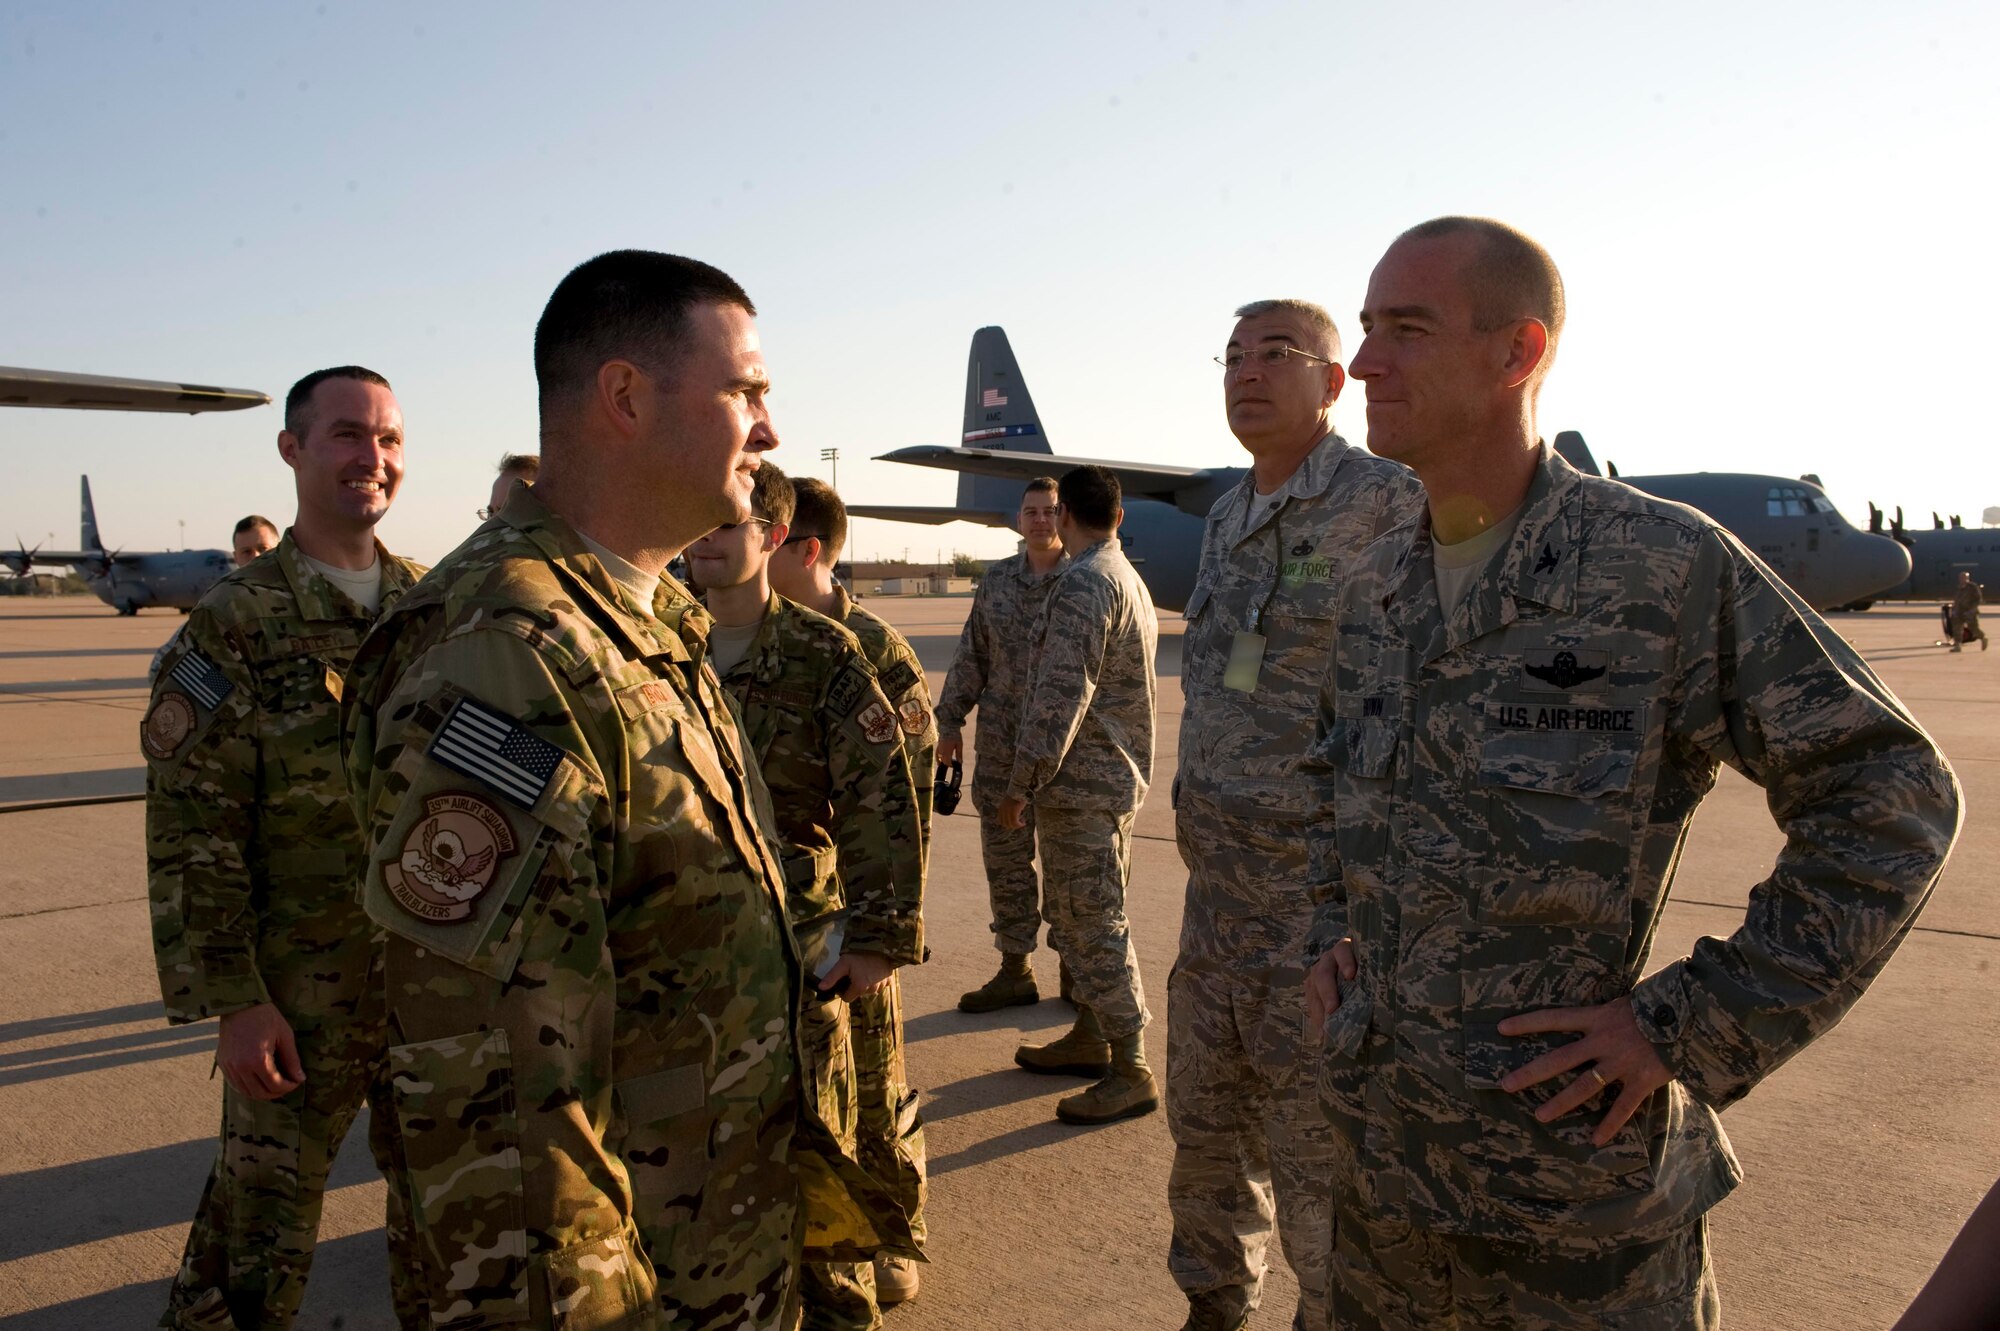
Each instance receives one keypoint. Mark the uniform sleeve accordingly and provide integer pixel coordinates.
(1868, 806)
(488, 829)
(966, 680)
(1069, 654)
(878, 836)
(1324, 885)
(200, 741)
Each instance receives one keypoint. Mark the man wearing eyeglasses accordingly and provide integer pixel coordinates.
(828, 743)
(1260, 627)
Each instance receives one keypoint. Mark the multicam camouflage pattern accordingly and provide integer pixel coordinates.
(991, 671)
(891, 1133)
(1510, 787)
(1391, 1277)
(1965, 609)
(252, 851)
(1086, 729)
(828, 745)
(1239, 1083)
(596, 1067)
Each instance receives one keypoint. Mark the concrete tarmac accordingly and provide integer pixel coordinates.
(1863, 1155)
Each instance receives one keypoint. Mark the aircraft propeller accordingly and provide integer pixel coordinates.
(23, 561)
(1874, 520)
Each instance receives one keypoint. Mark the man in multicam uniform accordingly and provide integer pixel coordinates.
(990, 671)
(591, 985)
(891, 1131)
(827, 742)
(254, 535)
(1083, 757)
(1965, 598)
(1526, 1130)
(1259, 639)
(252, 854)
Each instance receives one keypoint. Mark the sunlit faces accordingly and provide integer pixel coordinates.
(350, 463)
(1282, 404)
(251, 543)
(734, 554)
(715, 423)
(1036, 520)
(1433, 383)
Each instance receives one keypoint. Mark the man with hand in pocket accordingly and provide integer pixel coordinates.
(1534, 683)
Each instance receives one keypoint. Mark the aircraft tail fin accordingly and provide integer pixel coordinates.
(91, 540)
(999, 415)
(1571, 448)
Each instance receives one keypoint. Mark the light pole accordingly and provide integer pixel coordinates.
(832, 455)
(184, 533)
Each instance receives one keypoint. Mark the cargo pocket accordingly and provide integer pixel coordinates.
(461, 1136)
(911, 1183)
(603, 1284)
(1520, 1156)
(666, 1123)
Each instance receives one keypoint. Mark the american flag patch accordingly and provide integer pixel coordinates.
(993, 397)
(489, 747)
(203, 680)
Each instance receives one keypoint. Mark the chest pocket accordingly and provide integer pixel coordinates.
(300, 697)
(1364, 750)
(1560, 826)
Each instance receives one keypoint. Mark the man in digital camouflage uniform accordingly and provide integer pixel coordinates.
(891, 1131)
(591, 985)
(990, 672)
(1083, 758)
(1246, 1123)
(1534, 685)
(827, 742)
(252, 855)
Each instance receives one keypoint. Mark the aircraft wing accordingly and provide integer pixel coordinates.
(1135, 478)
(932, 516)
(95, 392)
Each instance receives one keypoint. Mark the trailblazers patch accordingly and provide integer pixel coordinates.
(167, 726)
(916, 716)
(1562, 670)
(877, 724)
(1567, 717)
(449, 858)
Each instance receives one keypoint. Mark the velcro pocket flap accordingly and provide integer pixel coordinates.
(662, 1095)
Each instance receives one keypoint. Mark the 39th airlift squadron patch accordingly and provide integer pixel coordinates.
(449, 857)
(167, 726)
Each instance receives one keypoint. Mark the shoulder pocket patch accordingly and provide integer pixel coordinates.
(848, 690)
(186, 700)
(897, 678)
(488, 746)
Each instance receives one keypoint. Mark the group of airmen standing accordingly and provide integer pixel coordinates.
(595, 892)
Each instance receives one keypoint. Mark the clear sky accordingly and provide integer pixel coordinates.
(1775, 222)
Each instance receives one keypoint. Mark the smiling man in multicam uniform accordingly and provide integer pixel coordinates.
(1535, 683)
(252, 854)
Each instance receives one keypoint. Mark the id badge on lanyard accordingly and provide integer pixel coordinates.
(1246, 649)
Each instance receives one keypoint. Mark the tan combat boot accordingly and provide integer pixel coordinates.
(895, 1280)
(1126, 1091)
(1014, 986)
(1081, 1053)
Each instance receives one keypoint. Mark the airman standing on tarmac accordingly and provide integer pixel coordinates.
(848, 834)
(252, 854)
(1965, 598)
(891, 1131)
(990, 671)
(1240, 1103)
(1083, 757)
(1535, 682)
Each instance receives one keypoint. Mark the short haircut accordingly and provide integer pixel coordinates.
(772, 497)
(624, 305)
(525, 465)
(1511, 277)
(252, 522)
(298, 402)
(1316, 318)
(1038, 485)
(821, 513)
(1090, 496)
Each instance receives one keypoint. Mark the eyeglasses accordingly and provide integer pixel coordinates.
(798, 536)
(732, 526)
(1233, 360)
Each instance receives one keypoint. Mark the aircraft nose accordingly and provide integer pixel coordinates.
(1880, 563)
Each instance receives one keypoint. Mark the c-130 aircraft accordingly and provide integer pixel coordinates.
(125, 580)
(1791, 524)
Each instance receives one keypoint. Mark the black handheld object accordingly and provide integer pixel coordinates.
(944, 793)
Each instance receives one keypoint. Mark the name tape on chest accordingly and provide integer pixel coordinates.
(1567, 718)
(489, 746)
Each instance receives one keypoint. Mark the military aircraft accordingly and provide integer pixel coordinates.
(1790, 523)
(1939, 555)
(124, 580)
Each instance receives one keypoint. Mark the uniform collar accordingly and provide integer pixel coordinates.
(319, 599)
(1538, 567)
(766, 657)
(1017, 567)
(1312, 479)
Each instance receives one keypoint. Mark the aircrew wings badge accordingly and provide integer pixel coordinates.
(449, 858)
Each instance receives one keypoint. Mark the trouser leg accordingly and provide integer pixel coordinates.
(889, 1131)
(1086, 861)
(1219, 1188)
(1012, 884)
(835, 1296)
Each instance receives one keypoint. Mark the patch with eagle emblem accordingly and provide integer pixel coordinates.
(449, 858)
